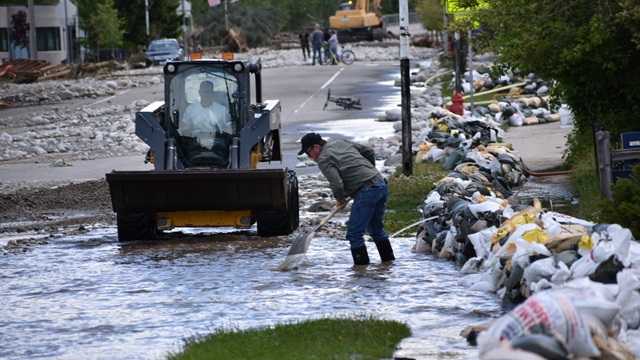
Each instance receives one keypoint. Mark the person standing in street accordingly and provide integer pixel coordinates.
(351, 172)
(304, 44)
(333, 47)
(316, 43)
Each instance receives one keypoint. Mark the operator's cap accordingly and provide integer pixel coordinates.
(308, 141)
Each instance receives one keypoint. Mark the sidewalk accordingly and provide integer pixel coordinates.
(540, 146)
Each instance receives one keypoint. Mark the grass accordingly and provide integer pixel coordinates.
(586, 186)
(407, 193)
(314, 339)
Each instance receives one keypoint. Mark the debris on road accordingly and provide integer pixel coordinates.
(50, 92)
(85, 133)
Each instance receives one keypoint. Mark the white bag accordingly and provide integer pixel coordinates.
(481, 241)
(548, 311)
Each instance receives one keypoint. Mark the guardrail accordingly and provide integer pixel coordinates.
(394, 19)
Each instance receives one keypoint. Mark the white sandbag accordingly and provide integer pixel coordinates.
(634, 255)
(549, 269)
(541, 269)
(584, 266)
(566, 116)
(551, 226)
(433, 197)
(628, 297)
(516, 119)
(484, 207)
(631, 338)
(448, 249)
(421, 246)
(548, 312)
(540, 286)
(616, 240)
(472, 265)
(485, 281)
(484, 160)
(481, 241)
(436, 154)
(508, 212)
(562, 274)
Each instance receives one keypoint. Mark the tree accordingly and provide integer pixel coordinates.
(431, 14)
(163, 19)
(109, 24)
(591, 48)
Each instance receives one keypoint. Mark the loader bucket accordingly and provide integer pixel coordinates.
(185, 190)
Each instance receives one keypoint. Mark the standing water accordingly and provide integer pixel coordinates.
(91, 297)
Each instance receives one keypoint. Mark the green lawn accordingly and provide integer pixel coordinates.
(313, 339)
(407, 193)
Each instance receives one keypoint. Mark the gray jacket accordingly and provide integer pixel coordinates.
(347, 166)
(317, 37)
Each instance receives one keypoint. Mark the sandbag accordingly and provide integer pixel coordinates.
(548, 312)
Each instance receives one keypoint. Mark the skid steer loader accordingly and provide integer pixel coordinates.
(208, 144)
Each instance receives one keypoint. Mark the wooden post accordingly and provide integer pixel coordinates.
(604, 163)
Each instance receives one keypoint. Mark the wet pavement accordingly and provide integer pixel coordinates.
(102, 300)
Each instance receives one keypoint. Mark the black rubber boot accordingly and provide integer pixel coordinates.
(360, 256)
(385, 250)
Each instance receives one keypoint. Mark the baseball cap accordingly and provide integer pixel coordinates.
(308, 140)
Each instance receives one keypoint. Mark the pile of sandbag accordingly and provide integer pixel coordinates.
(472, 149)
(553, 261)
(523, 251)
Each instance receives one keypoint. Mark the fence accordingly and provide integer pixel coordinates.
(394, 19)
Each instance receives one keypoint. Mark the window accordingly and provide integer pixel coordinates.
(48, 39)
(4, 40)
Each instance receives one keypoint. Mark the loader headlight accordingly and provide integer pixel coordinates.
(238, 67)
(171, 68)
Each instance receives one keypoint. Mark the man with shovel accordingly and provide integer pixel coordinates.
(350, 169)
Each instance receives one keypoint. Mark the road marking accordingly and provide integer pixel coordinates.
(109, 98)
(332, 78)
(317, 91)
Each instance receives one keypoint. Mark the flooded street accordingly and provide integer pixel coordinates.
(102, 300)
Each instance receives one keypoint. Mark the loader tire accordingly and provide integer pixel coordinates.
(137, 226)
(282, 222)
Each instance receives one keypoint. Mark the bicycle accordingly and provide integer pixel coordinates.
(345, 56)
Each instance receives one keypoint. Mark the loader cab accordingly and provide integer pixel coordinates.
(204, 105)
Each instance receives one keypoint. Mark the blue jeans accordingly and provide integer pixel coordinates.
(367, 214)
(317, 50)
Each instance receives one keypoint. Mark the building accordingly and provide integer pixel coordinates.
(53, 40)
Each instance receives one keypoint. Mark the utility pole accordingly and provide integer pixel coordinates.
(33, 50)
(67, 34)
(405, 92)
(185, 37)
(470, 66)
(445, 22)
(226, 15)
(146, 17)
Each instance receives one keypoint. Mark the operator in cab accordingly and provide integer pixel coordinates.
(206, 119)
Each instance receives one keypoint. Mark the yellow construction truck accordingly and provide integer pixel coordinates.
(211, 147)
(358, 20)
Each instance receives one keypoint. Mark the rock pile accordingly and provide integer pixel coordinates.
(49, 92)
(86, 133)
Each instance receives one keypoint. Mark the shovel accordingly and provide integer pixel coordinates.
(301, 243)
